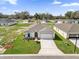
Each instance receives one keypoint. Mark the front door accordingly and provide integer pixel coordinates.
(28, 35)
(36, 34)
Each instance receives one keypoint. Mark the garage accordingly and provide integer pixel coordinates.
(46, 33)
(44, 36)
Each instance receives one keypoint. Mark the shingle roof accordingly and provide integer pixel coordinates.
(69, 28)
(74, 29)
(6, 20)
(39, 28)
(46, 31)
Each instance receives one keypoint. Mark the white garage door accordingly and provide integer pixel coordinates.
(42, 36)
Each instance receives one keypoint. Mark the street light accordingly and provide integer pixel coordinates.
(75, 44)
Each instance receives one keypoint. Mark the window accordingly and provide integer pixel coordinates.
(73, 35)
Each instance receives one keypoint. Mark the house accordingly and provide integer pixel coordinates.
(44, 21)
(67, 30)
(41, 31)
(7, 22)
(70, 21)
(25, 21)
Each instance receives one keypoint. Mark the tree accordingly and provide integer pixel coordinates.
(76, 15)
(1, 15)
(60, 17)
(22, 15)
(72, 15)
(36, 16)
(69, 14)
(43, 16)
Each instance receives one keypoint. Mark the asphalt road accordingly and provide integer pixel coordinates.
(39, 57)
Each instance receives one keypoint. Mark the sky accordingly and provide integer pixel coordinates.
(54, 7)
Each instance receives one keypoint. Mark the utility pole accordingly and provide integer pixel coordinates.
(75, 45)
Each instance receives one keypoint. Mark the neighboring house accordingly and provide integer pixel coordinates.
(70, 21)
(41, 31)
(44, 21)
(7, 22)
(25, 21)
(67, 30)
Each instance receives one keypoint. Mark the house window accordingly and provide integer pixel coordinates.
(73, 35)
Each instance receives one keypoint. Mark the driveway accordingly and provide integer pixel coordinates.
(48, 47)
(74, 40)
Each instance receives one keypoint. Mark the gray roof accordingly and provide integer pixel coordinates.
(69, 28)
(6, 20)
(43, 28)
(46, 31)
(66, 20)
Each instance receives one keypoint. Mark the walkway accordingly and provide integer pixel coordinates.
(48, 47)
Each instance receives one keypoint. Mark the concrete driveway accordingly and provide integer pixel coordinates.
(48, 47)
(73, 40)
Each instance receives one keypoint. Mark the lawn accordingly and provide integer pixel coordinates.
(10, 32)
(21, 46)
(64, 45)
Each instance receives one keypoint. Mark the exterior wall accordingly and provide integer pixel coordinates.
(43, 22)
(49, 36)
(25, 21)
(39, 35)
(64, 34)
(6, 24)
(31, 35)
(73, 35)
(59, 22)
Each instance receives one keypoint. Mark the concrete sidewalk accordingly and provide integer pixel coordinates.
(48, 47)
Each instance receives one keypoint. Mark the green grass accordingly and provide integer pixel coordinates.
(8, 33)
(22, 25)
(64, 45)
(21, 46)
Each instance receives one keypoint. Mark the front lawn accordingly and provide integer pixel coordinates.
(64, 45)
(21, 46)
(9, 33)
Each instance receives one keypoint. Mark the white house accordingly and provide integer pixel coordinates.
(67, 30)
(43, 21)
(25, 21)
(7, 22)
(41, 31)
(67, 21)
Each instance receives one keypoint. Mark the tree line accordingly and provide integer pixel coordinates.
(41, 16)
